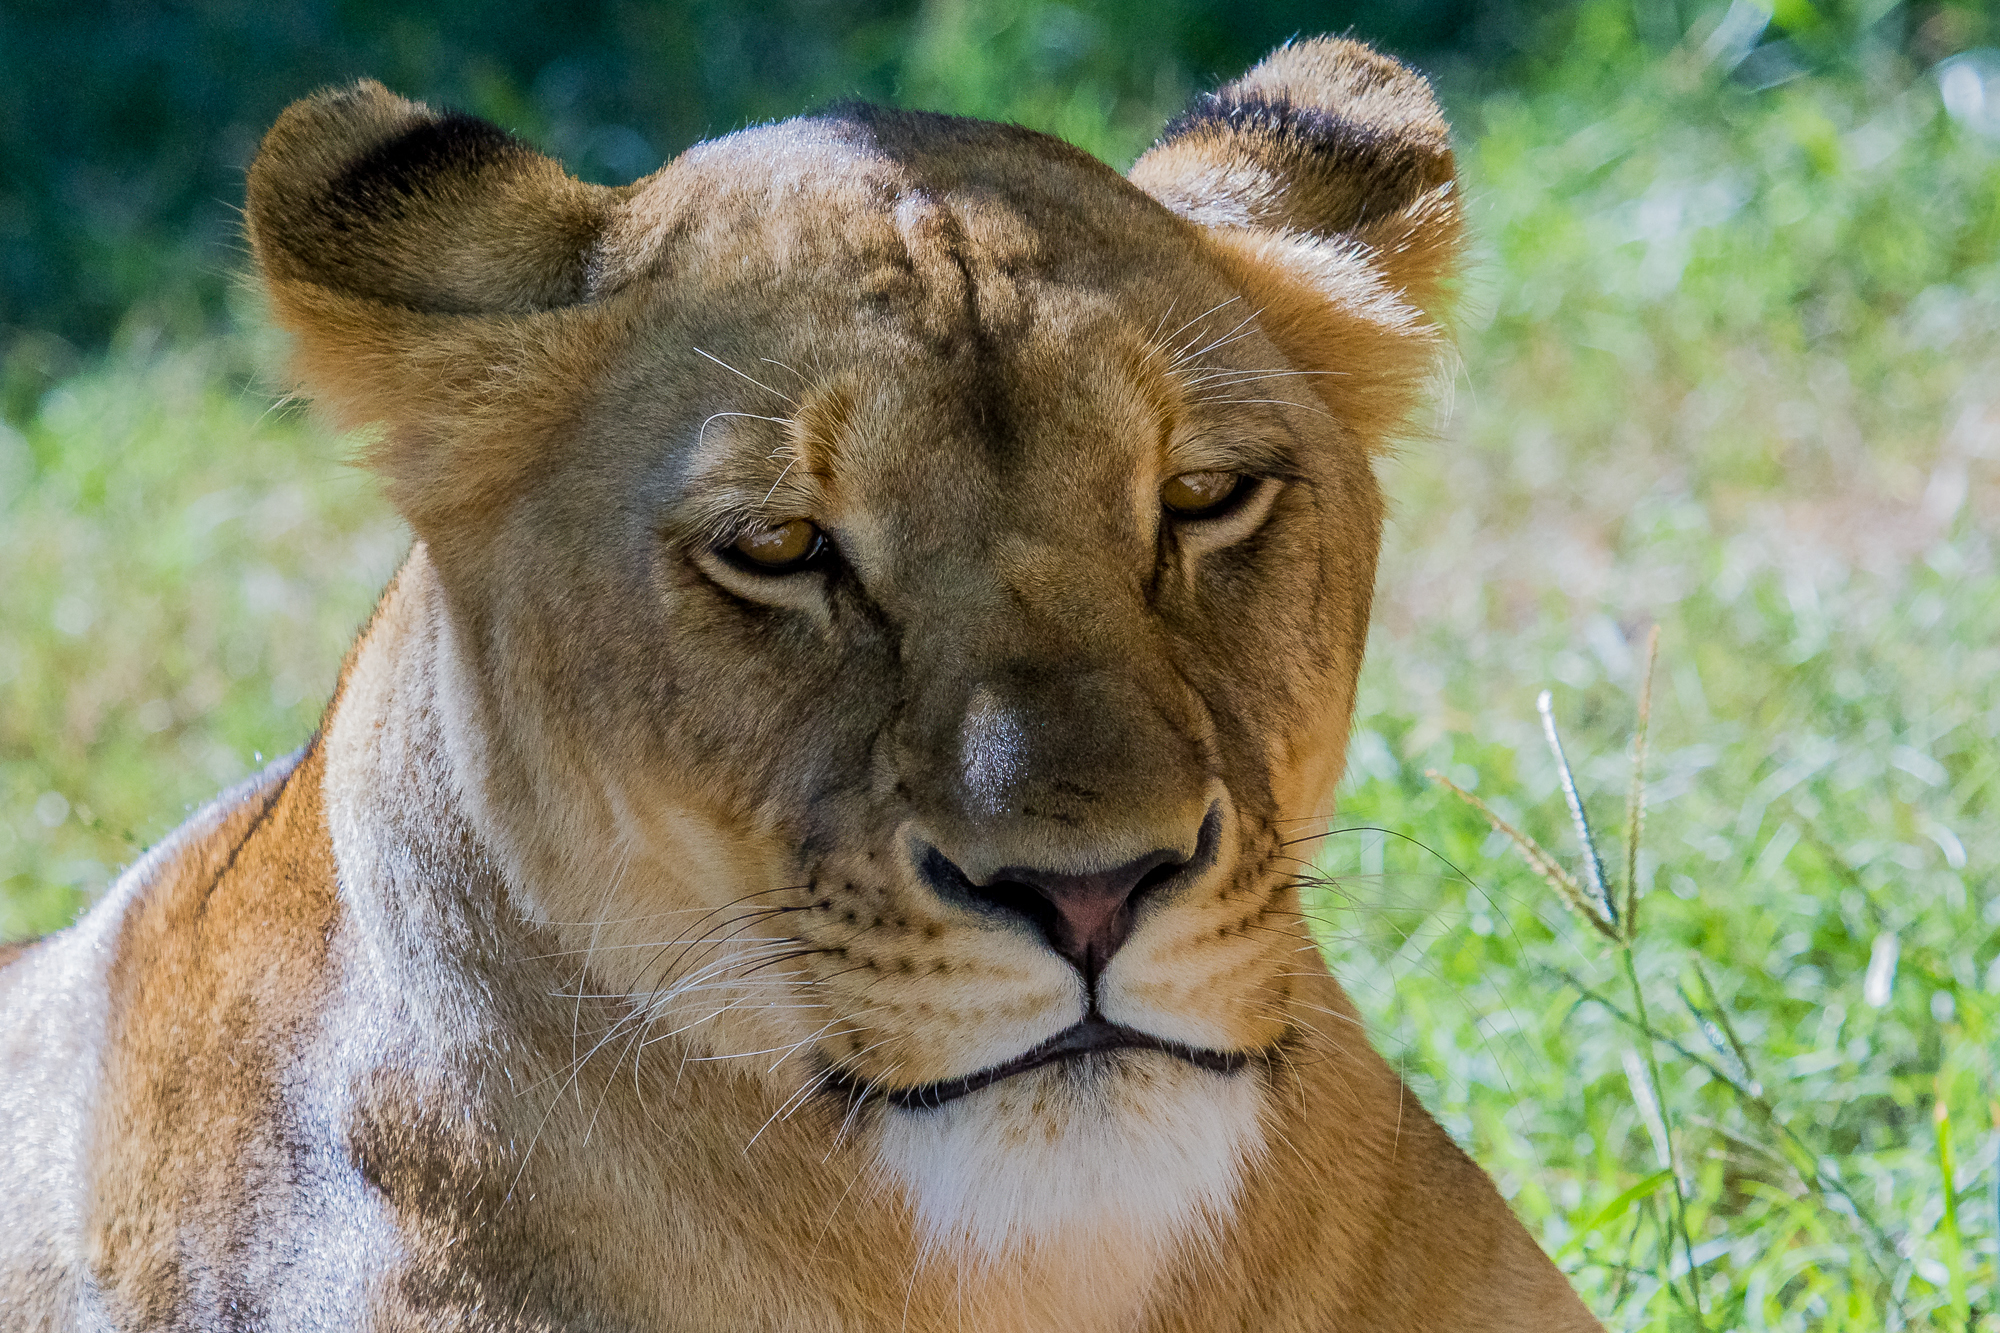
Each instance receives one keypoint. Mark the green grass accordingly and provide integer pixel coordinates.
(1731, 367)
(181, 568)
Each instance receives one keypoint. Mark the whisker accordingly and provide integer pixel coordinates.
(1225, 339)
(779, 482)
(1273, 402)
(1174, 357)
(787, 398)
(702, 434)
(801, 1096)
(715, 938)
(1225, 376)
(603, 901)
(803, 1093)
(782, 366)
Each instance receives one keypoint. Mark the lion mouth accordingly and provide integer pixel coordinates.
(1087, 1037)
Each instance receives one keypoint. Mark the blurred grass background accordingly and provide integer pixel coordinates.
(1731, 365)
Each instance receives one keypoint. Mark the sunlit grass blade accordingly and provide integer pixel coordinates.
(1952, 1242)
(1643, 1097)
(1815, 1172)
(1597, 907)
(1718, 1041)
(1545, 865)
(1619, 1206)
(1593, 864)
(1718, 1013)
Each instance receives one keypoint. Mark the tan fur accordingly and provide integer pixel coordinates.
(570, 977)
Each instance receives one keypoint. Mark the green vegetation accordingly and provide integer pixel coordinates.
(1731, 369)
(1731, 366)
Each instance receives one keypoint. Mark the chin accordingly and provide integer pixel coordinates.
(1135, 1151)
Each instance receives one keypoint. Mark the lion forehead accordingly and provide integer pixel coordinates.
(890, 198)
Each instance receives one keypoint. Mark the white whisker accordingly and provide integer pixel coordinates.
(759, 383)
(1175, 356)
(1275, 402)
(779, 482)
(702, 434)
(1239, 332)
(782, 366)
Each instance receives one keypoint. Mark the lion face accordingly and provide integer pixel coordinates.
(906, 585)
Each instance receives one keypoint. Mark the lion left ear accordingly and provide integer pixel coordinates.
(429, 268)
(1324, 142)
(362, 193)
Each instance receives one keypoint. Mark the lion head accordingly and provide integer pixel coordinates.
(904, 585)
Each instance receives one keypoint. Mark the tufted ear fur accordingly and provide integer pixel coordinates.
(364, 193)
(1325, 176)
(1324, 139)
(424, 264)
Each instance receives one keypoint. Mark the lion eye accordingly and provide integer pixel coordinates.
(1200, 494)
(780, 548)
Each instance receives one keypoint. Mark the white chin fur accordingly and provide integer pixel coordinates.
(1133, 1148)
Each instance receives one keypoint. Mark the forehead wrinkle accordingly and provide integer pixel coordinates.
(1092, 418)
(1143, 364)
(819, 436)
(1130, 409)
(1160, 369)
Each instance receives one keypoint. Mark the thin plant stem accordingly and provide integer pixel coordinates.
(1664, 1223)
(1626, 1268)
(1807, 1163)
(1635, 801)
(1616, 918)
(1545, 865)
(1673, 1157)
(1720, 1011)
(1620, 933)
(1954, 1252)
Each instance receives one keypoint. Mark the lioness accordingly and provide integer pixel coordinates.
(803, 842)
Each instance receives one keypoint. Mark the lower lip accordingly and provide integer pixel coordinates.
(1095, 1037)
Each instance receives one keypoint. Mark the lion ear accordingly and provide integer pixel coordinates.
(1325, 141)
(431, 270)
(361, 193)
(1323, 181)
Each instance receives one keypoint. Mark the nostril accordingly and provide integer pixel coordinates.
(1155, 877)
(1085, 917)
(997, 896)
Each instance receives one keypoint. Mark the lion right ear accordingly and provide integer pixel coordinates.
(1325, 141)
(365, 194)
(1323, 180)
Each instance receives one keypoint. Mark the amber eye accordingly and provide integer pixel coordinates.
(1200, 494)
(779, 548)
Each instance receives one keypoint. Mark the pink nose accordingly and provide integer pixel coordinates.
(1093, 913)
(1085, 918)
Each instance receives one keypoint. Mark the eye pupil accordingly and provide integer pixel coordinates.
(1194, 493)
(779, 546)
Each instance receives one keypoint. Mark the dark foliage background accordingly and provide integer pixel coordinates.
(125, 126)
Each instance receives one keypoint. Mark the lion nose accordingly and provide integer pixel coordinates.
(1085, 917)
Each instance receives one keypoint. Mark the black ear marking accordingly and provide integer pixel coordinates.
(1324, 140)
(412, 163)
(364, 193)
(1385, 169)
